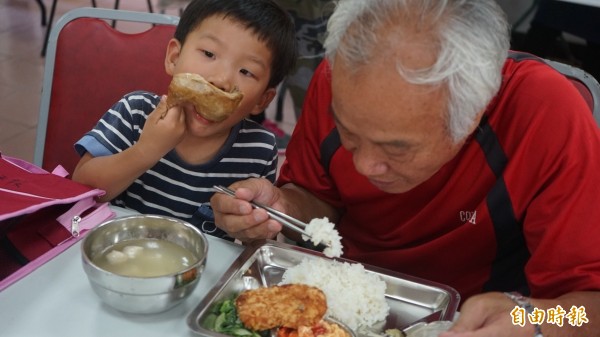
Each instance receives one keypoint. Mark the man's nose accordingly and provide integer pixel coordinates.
(367, 162)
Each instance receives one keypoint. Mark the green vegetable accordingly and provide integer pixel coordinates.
(209, 321)
(227, 306)
(223, 318)
(220, 323)
(241, 332)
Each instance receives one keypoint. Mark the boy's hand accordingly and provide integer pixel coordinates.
(163, 130)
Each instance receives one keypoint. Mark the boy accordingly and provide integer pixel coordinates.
(159, 160)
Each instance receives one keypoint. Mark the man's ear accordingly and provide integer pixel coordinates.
(173, 51)
(264, 101)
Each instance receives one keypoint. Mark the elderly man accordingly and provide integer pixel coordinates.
(439, 153)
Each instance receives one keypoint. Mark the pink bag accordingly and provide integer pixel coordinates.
(41, 215)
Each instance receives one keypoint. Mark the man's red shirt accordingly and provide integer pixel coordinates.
(442, 230)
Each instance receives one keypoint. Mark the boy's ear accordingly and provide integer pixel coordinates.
(173, 51)
(264, 101)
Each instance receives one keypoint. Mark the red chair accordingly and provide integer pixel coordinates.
(89, 66)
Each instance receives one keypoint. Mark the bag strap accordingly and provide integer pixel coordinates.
(23, 164)
(60, 171)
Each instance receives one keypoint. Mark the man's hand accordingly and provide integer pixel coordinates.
(239, 219)
(488, 315)
(164, 129)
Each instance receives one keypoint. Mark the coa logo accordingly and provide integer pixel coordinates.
(468, 216)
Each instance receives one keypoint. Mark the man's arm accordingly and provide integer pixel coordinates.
(237, 217)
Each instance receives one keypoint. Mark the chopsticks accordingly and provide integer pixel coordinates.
(286, 220)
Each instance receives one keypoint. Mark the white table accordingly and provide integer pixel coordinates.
(593, 3)
(57, 300)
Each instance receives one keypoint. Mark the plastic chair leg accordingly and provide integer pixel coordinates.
(150, 8)
(51, 19)
(114, 23)
(43, 10)
(280, 100)
(49, 27)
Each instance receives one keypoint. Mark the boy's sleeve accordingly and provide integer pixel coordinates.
(120, 127)
(91, 145)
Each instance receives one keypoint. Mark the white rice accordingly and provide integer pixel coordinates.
(321, 230)
(354, 296)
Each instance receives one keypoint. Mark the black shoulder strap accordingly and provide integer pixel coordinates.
(329, 146)
(508, 267)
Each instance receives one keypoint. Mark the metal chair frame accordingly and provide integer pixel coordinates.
(53, 10)
(574, 73)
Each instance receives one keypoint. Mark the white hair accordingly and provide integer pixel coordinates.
(471, 38)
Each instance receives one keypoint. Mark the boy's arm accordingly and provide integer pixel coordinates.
(114, 173)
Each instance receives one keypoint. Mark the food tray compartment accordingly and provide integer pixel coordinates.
(263, 263)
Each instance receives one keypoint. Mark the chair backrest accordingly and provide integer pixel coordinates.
(90, 66)
(587, 85)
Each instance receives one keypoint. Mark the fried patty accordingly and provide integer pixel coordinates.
(289, 305)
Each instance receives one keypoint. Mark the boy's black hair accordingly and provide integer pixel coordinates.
(272, 25)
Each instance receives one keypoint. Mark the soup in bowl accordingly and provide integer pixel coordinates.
(144, 263)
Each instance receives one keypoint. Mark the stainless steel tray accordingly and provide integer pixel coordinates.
(263, 263)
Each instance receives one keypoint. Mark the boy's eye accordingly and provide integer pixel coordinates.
(208, 53)
(246, 72)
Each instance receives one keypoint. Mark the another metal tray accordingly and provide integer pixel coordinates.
(262, 264)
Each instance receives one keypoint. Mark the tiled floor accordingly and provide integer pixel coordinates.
(22, 68)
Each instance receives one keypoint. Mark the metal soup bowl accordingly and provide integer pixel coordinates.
(143, 295)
